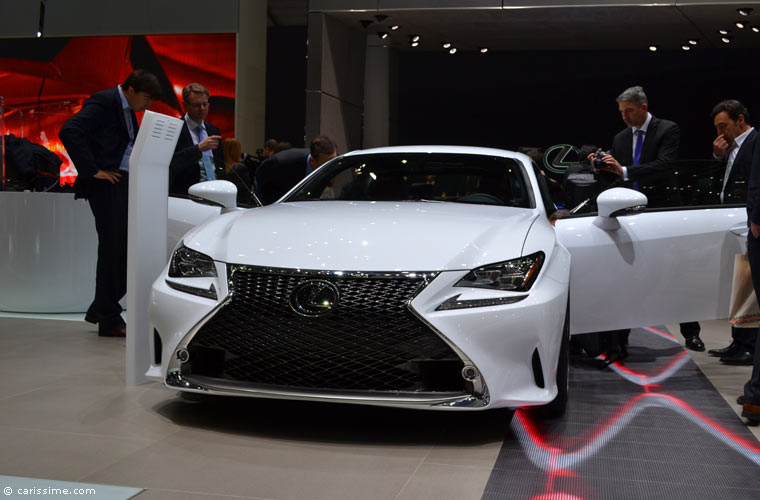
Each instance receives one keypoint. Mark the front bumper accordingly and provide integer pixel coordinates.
(493, 346)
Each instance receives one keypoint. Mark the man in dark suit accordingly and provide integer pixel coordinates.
(734, 147)
(99, 140)
(197, 156)
(751, 399)
(282, 171)
(642, 148)
(646, 143)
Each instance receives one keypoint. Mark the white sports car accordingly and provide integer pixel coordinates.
(425, 277)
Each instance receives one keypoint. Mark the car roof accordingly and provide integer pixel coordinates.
(441, 149)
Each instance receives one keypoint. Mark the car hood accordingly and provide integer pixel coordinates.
(366, 236)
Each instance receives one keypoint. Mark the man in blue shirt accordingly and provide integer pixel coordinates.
(99, 141)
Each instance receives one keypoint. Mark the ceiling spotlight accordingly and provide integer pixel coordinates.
(685, 47)
(724, 32)
(653, 48)
(445, 45)
(414, 38)
(756, 29)
(382, 34)
(745, 11)
(453, 50)
(415, 44)
(39, 34)
(483, 50)
(726, 39)
(395, 27)
(739, 25)
(366, 22)
(693, 41)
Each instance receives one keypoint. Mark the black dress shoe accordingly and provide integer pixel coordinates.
(91, 319)
(728, 350)
(695, 343)
(117, 331)
(751, 413)
(742, 357)
(740, 400)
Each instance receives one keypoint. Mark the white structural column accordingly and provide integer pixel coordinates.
(250, 85)
(146, 247)
(377, 94)
(334, 81)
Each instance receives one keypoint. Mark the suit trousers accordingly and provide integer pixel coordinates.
(752, 387)
(108, 203)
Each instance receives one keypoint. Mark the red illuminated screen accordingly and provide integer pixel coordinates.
(39, 96)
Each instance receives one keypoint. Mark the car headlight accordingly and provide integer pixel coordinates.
(187, 263)
(516, 275)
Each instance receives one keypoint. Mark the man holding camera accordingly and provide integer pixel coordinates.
(646, 144)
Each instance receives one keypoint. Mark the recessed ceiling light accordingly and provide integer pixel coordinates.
(414, 38)
(395, 27)
(756, 29)
(693, 41)
(453, 50)
(739, 25)
(744, 11)
(382, 34)
(685, 47)
(724, 32)
(39, 34)
(445, 45)
(726, 39)
(653, 48)
(483, 50)
(415, 44)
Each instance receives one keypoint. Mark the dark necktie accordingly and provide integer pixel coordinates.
(637, 149)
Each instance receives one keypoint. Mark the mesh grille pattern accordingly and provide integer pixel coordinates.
(369, 342)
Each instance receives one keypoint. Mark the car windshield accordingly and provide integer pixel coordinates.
(431, 177)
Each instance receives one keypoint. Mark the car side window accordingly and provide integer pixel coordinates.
(678, 185)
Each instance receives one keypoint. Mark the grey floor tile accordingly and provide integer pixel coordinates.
(63, 456)
(446, 482)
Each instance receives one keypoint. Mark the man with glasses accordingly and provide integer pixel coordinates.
(197, 156)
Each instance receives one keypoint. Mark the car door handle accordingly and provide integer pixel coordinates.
(740, 230)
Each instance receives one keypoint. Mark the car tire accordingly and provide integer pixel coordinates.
(557, 407)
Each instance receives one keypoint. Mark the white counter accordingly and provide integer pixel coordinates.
(48, 253)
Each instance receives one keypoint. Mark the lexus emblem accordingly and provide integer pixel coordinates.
(314, 298)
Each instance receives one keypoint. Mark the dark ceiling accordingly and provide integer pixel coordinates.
(669, 25)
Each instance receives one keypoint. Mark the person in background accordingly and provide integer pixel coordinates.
(235, 171)
(640, 149)
(734, 146)
(197, 156)
(285, 169)
(751, 396)
(99, 140)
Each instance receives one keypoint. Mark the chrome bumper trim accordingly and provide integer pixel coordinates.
(210, 385)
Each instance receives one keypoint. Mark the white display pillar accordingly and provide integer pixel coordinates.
(146, 244)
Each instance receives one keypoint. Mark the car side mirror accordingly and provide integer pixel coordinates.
(221, 194)
(616, 202)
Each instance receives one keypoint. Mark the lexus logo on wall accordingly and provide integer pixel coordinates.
(557, 158)
(314, 298)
